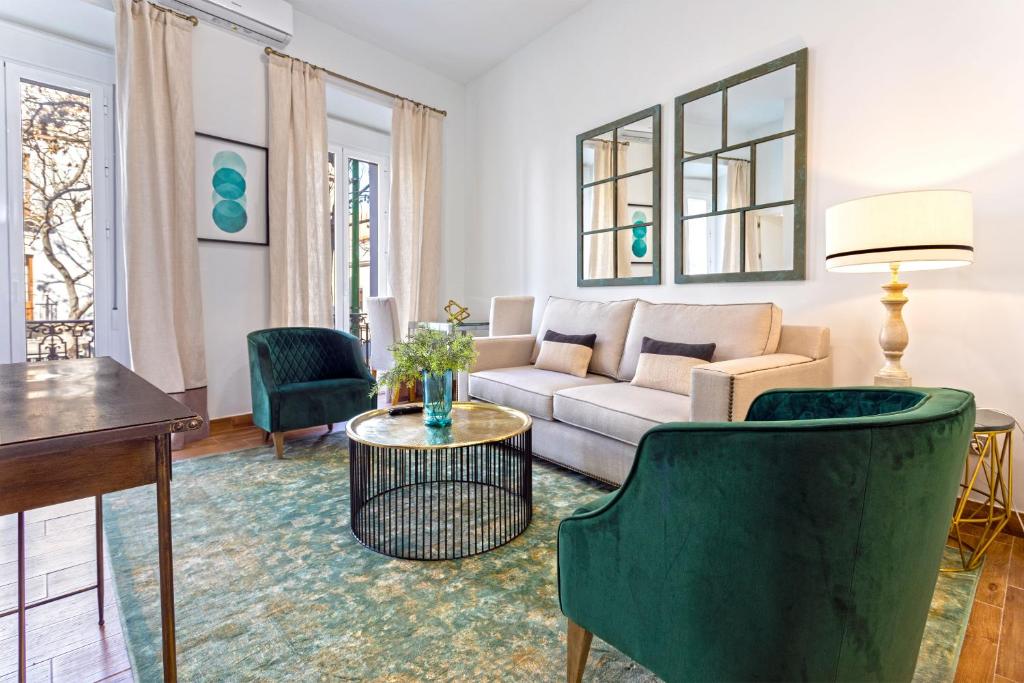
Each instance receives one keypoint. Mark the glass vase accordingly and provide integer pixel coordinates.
(437, 399)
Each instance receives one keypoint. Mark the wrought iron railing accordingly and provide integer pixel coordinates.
(59, 339)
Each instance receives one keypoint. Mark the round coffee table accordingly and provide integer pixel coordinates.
(429, 493)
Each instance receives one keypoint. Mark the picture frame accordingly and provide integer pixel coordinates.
(231, 191)
(642, 214)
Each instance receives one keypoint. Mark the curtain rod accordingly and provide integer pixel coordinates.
(367, 86)
(187, 17)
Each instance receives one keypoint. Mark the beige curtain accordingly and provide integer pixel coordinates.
(300, 234)
(604, 260)
(414, 241)
(157, 165)
(738, 194)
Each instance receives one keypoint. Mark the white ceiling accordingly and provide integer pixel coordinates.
(460, 39)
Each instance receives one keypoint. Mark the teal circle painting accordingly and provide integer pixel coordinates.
(639, 247)
(229, 187)
(229, 215)
(228, 183)
(229, 159)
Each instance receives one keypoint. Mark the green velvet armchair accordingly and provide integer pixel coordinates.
(306, 376)
(802, 544)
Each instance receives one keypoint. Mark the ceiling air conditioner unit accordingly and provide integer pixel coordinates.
(265, 21)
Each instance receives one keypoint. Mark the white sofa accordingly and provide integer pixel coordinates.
(592, 424)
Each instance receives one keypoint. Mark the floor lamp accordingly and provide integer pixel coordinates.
(919, 230)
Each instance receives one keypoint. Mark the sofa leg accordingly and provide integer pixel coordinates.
(330, 426)
(278, 444)
(578, 650)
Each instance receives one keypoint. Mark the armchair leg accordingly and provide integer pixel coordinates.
(278, 444)
(579, 648)
(266, 437)
(330, 426)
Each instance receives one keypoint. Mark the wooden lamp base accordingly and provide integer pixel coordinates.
(894, 336)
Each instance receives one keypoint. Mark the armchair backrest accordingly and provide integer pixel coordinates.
(382, 319)
(510, 315)
(305, 354)
(801, 544)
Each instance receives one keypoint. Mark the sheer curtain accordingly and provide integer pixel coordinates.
(157, 165)
(604, 261)
(414, 253)
(738, 194)
(301, 277)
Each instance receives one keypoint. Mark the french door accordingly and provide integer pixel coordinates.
(359, 216)
(56, 216)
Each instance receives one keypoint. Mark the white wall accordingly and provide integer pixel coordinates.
(230, 101)
(914, 94)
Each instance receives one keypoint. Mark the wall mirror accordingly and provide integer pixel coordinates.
(741, 176)
(618, 197)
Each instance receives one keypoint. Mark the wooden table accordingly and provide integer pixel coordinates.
(73, 429)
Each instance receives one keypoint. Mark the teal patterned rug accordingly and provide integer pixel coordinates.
(270, 584)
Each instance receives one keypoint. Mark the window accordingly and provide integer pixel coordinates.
(59, 222)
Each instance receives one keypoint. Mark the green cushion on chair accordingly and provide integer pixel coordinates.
(802, 544)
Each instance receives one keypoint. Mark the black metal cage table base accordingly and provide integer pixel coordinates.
(424, 493)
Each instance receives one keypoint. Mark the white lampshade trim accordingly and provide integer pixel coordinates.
(919, 230)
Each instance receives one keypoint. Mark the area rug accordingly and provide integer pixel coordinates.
(270, 584)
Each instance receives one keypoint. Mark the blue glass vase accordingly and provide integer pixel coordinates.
(437, 399)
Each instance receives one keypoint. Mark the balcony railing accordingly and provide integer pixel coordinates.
(59, 339)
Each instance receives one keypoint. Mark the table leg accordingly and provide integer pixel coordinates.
(22, 659)
(99, 556)
(163, 516)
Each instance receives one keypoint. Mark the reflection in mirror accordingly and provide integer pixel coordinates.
(637, 138)
(762, 106)
(775, 170)
(636, 189)
(597, 207)
(733, 179)
(702, 125)
(597, 158)
(610, 254)
(712, 244)
(697, 186)
(769, 239)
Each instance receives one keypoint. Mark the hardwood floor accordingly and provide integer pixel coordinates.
(66, 644)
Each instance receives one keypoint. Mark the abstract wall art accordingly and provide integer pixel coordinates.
(641, 253)
(231, 191)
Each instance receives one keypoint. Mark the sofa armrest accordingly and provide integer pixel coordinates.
(723, 391)
(503, 352)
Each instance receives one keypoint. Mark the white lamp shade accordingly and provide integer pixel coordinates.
(919, 230)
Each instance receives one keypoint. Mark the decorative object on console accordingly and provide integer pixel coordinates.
(919, 230)
(457, 313)
(618, 200)
(666, 365)
(566, 353)
(992, 446)
(231, 191)
(431, 355)
(634, 569)
(741, 176)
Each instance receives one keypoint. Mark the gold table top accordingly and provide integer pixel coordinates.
(472, 424)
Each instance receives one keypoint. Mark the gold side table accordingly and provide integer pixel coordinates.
(991, 477)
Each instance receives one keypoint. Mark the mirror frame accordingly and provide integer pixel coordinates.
(653, 113)
(799, 202)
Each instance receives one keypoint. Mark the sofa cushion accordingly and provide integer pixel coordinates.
(738, 330)
(568, 353)
(608, 319)
(620, 411)
(526, 388)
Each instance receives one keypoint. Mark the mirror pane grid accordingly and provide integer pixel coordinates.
(741, 164)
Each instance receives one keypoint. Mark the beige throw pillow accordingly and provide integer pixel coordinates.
(666, 365)
(566, 353)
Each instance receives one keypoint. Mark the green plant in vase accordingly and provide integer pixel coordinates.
(433, 356)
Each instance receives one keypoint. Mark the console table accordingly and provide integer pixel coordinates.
(74, 429)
